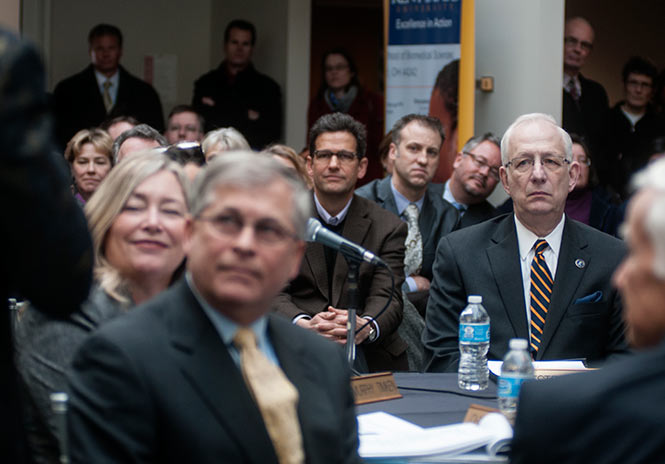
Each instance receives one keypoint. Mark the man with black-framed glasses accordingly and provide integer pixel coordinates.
(474, 177)
(543, 277)
(317, 298)
(585, 102)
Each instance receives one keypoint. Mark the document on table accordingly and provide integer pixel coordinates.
(495, 366)
(383, 435)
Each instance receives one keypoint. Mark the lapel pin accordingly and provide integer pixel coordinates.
(580, 263)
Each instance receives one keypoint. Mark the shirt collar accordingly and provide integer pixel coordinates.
(101, 78)
(526, 239)
(225, 327)
(402, 202)
(332, 220)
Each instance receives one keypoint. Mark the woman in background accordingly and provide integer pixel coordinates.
(90, 159)
(220, 140)
(137, 221)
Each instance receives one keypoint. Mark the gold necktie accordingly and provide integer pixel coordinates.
(108, 102)
(275, 396)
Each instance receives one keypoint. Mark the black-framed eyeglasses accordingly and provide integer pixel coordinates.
(343, 156)
(266, 231)
(524, 164)
(574, 42)
(481, 163)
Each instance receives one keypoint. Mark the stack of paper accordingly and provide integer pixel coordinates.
(383, 435)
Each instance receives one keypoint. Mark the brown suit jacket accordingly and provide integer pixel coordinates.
(383, 233)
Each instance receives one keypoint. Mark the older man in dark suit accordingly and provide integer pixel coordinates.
(103, 90)
(615, 414)
(318, 298)
(203, 373)
(542, 276)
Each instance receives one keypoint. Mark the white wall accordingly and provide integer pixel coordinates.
(520, 44)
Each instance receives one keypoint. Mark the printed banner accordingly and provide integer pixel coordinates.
(423, 36)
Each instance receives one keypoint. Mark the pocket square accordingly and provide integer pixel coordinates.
(595, 297)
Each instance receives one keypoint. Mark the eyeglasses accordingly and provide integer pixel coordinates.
(343, 156)
(638, 84)
(574, 42)
(481, 163)
(266, 231)
(584, 160)
(550, 163)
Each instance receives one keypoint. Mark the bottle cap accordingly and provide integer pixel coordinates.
(475, 299)
(518, 344)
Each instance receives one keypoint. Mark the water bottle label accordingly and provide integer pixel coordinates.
(509, 387)
(474, 333)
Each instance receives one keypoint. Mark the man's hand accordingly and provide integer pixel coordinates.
(422, 283)
(332, 325)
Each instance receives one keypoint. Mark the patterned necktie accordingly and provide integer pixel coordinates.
(572, 90)
(541, 292)
(108, 102)
(275, 396)
(413, 258)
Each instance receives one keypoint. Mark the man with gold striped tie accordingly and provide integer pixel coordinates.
(543, 277)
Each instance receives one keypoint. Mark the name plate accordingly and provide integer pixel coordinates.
(542, 374)
(374, 387)
(477, 412)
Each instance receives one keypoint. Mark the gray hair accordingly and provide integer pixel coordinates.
(230, 139)
(247, 170)
(142, 131)
(533, 118)
(476, 140)
(653, 178)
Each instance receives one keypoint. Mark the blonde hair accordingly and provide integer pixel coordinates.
(288, 153)
(108, 201)
(98, 138)
(228, 137)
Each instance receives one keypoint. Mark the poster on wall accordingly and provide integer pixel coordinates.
(423, 37)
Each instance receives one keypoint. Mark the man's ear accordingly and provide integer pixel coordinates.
(503, 174)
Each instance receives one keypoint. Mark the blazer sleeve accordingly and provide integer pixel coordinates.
(392, 253)
(104, 379)
(447, 295)
(47, 250)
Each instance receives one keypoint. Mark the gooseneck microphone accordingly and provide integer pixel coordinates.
(319, 234)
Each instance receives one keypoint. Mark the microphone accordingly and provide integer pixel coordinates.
(319, 234)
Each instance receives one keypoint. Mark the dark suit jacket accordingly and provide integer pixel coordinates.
(484, 260)
(46, 247)
(384, 234)
(588, 117)
(79, 103)
(159, 385)
(234, 98)
(612, 415)
(437, 218)
(477, 213)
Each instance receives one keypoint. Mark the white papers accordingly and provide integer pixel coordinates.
(495, 366)
(383, 435)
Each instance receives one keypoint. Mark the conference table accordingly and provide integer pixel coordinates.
(433, 399)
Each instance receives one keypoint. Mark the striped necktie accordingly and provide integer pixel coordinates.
(541, 293)
(108, 101)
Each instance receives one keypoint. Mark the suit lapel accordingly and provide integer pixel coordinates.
(385, 195)
(429, 216)
(315, 259)
(206, 363)
(568, 278)
(356, 226)
(505, 264)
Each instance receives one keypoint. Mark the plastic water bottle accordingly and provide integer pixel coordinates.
(516, 368)
(474, 341)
